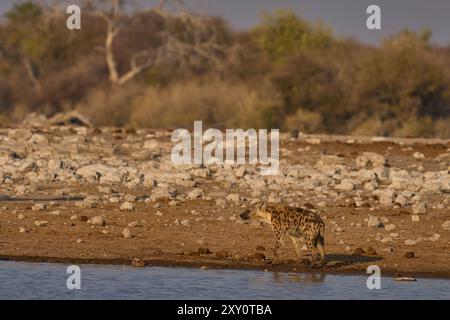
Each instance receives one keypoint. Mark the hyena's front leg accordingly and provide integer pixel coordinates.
(279, 242)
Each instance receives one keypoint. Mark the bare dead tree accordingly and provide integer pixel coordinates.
(203, 42)
(31, 73)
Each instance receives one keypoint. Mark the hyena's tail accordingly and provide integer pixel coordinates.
(321, 242)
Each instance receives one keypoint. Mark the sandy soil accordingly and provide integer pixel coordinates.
(200, 233)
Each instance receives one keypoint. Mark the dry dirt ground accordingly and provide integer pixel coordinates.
(150, 212)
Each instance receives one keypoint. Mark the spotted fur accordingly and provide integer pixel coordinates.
(300, 224)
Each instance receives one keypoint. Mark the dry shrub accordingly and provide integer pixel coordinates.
(110, 106)
(442, 129)
(218, 104)
(415, 127)
(305, 121)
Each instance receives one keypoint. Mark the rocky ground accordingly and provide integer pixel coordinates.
(105, 195)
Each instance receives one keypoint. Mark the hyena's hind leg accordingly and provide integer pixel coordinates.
(315, 243)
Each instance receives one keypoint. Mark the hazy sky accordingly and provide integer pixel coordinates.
(347, 17)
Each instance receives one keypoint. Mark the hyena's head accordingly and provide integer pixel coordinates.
(257, 212)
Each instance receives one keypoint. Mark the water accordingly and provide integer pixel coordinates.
(48, 281)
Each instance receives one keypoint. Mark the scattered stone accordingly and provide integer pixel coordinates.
(41, 223)
(386, 240)
(185, 223)
(39, 207)
(134, 224)
(419, 208)
(240, 172)
(404, 279)
(126, 233)
(446, 225)
(434, 237)
(234, 197)
(138, 263)
(374, 221)
(195, 193)
(415, 218)
(387, 197)
(97, 220)
(410, 242)
(401, 200)
(130, 198)
(221, 203)
(370, 160)
(127, 206)
(389, 227)
(418, 155)
(173, 203)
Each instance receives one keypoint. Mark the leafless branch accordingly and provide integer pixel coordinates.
(202, 40)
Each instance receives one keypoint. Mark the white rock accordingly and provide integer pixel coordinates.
(41, 223)
(418, 155)
(195, 194)
(185, 222)
(37, 139)
(221, 203)
(370, 159)
(234, 197)
(387, 197)
(410, 242)
(127, 206)
(389, 227)
(126, 233)
(130, 198)
(419, 208)
(346, 185)
(402, 200)
(97, 220)
(446, 225)
(434, 237)
(386, 240)
(415, 218)
(38, 207)
(240, 172)
(373, 221)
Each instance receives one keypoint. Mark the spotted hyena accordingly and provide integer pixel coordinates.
(302, 225)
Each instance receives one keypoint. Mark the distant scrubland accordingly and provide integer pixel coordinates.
(159, 68)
